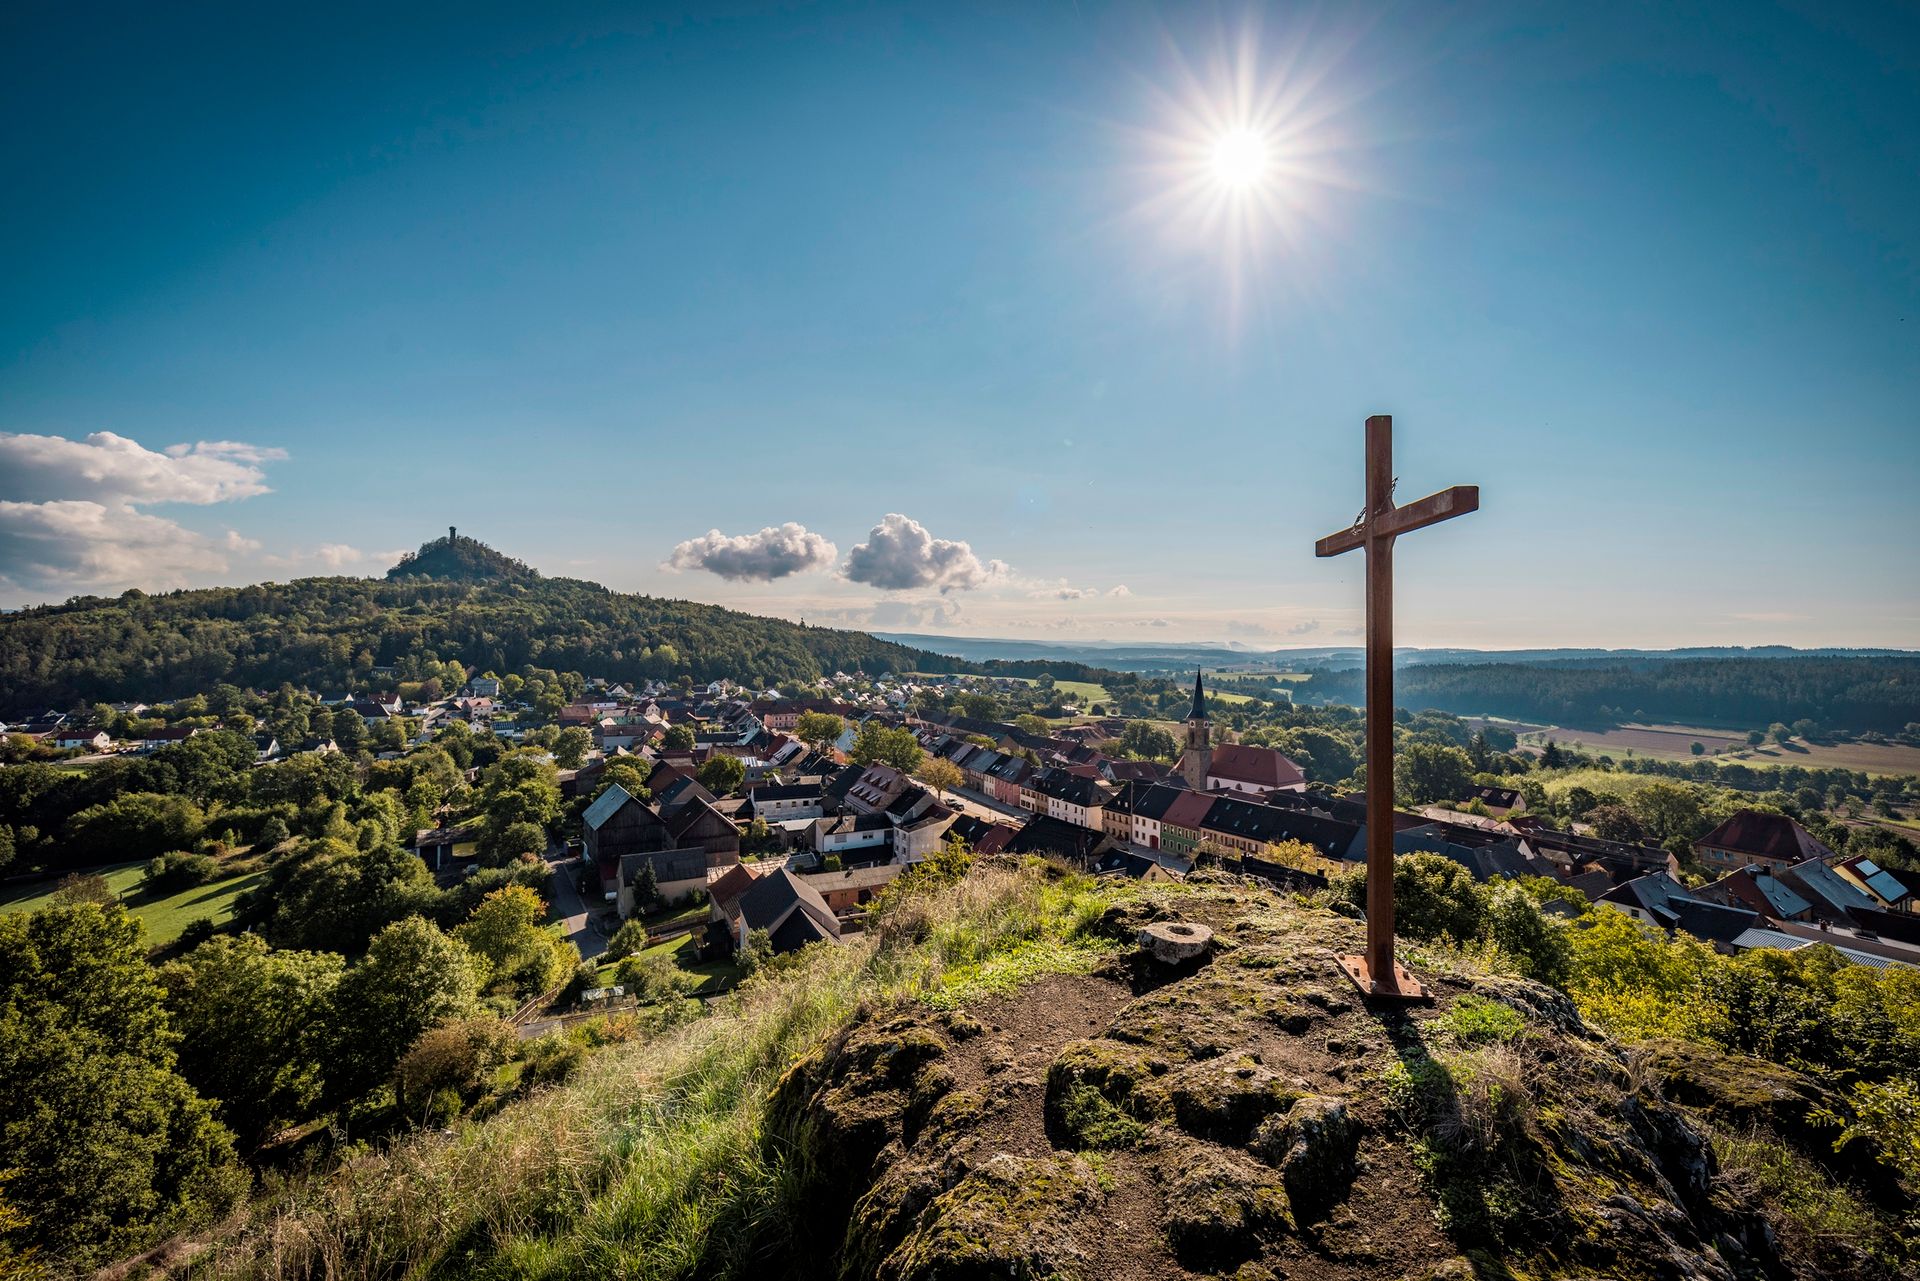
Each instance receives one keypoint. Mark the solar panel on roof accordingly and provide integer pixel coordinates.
(1868, 867)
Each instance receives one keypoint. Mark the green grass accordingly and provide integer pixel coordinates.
(715, 976)
(164, 917)
(1085, 693)
(650, 1163)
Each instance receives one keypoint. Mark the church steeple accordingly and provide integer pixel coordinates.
(1197, 758)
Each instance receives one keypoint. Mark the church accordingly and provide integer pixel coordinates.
(1231, 767)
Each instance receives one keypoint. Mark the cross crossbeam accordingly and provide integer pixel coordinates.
(1377, 973)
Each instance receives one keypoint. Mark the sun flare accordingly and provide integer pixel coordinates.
(1241, 158)
(1250, 147)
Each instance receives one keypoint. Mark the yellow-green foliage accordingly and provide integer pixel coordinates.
(1808, 1009)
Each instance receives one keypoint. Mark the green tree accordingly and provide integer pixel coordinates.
(349, 731)
(1435, 897)
(646, 889)
(1667, 810)
(571, 745)
(631, 773)
(113, 1147)
(252, 1026)
(412, 978)
(721, 774)
(520, 787)
(1028, 723)
(134, 825)
(1537, 943)
(1429, 772)
(454, 1059)
(1615, 822)
(819, 730)
(1145, 741)
(325, 895)
(678, 738)
(515, 841)
(876, 744)
(941, 774)
(508, 932)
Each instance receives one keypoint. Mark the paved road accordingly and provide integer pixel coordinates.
(982, 806)
(573, 909)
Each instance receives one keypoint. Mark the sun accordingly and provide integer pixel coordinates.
(1241, 159)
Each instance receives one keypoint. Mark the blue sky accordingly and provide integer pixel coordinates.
(591, 283)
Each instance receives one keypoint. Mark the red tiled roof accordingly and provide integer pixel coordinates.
(1188, 810)
(1763, 835)
(1260, 766)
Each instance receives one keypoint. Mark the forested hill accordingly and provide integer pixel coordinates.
(319, 632)
(454, 559)
(1850, 694)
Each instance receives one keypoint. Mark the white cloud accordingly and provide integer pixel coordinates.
(71, 544)
(774, 552)
(111, 469)
(900, 555)
(70, 518)
(1120, 590)
(1302, 629)
(1062, 593)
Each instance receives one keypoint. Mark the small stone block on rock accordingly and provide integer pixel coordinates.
(1176, 942)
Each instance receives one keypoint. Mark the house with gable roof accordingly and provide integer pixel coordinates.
(1759, 839)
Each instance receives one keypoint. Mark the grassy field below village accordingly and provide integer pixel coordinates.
(163, 917)
(715, 976)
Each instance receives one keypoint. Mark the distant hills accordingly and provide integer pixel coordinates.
(1130, 657)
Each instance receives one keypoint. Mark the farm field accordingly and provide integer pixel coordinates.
(1872, 758)
(1083, 692)
(164, 917)
(1671, 742)
(1675, 742)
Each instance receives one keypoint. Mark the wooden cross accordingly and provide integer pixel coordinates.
(1377, 973)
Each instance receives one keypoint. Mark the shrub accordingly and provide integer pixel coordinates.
(454, 1056)
(179, 870)
(197, 931)
(631, 937)
(551, 1059)
(757, 952)
(653, 978)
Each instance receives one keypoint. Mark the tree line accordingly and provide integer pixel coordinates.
(1850, 695)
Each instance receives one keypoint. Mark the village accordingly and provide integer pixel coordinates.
(834, 795)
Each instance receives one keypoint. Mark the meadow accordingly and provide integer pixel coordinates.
(165, 916)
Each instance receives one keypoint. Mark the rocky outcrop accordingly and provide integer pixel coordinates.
(1251, 1117)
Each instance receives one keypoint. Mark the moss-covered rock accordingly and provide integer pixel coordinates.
(1012, 1218)
(1221, 1208)
(1225, 1098)
(1313, 1146)
(1217, 1122)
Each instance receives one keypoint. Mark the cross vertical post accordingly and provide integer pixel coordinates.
(1376, 973)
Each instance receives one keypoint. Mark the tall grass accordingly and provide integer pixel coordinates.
(649, 1164)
